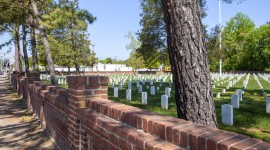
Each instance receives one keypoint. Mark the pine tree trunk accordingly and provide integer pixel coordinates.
(33, 43)
(45, 43)
(25, 49)
(189, 61)
(77, 67)
(18, 63)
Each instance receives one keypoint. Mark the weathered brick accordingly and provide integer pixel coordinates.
(245, 144)
(202, 139)
(212, 143)
(224, 145)
(170, 128)
(125, 145)
(193, 136)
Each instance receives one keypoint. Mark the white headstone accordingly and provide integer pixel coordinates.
(235, 100)
(268, 105)
(164, 101)
(120, 86)
(265, 94)
(152, 90)
(239, 92)
(218, 95)
(160, 85)
(147, 87)
(112, 85)
(213, 86)
(230, 83)
(115, 92)
(227, 87)
(223, 90)
(140, 88)
(227, 114)
(151, 82)
(129, 85)
(144, 97)
(157, 88)
(128, 94)
(168, 91)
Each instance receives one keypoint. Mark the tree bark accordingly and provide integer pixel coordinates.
(18, 63)
(25, 55)
(189, 62)
(33, 43)
(45, 43)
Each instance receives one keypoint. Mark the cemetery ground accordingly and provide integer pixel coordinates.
(18, 128)
(250, 119)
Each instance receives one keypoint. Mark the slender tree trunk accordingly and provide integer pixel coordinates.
(25, 49)
(18, 63)
(45, 43)
(33, 43)
(189, 61)
(77, 67)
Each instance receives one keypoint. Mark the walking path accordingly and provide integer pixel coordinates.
(18, 129)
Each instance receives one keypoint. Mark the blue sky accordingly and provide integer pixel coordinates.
(116, 17)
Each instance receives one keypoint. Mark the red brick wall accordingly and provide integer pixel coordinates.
(82, 117)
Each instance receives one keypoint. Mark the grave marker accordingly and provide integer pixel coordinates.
(235, 100)
(140, 88)
(265, 94)
(164, 101)
(218, 95)
(168, 91)
(120, 86)
(223, 90)
(128, 94)
(144, 97)
(152, 90)
(115, 92)
(268, 105)
(227, 114)
(239, 92)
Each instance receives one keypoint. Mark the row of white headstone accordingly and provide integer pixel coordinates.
(138, 77)
(60, 79)
(164, 98)
(227, 110)
(231, 82)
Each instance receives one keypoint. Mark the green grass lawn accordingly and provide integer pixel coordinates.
(250, 119)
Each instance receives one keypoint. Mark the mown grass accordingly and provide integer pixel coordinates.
(250, 119)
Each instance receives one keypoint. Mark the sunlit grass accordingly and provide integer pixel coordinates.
(250, 119)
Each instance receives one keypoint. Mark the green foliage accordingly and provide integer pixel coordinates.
(212, 45)
(244, 47)
(108, 61)
(234, 36)
(257, 48)
(135, 61)
(153, 47)
(66, 26)
(153, 35)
